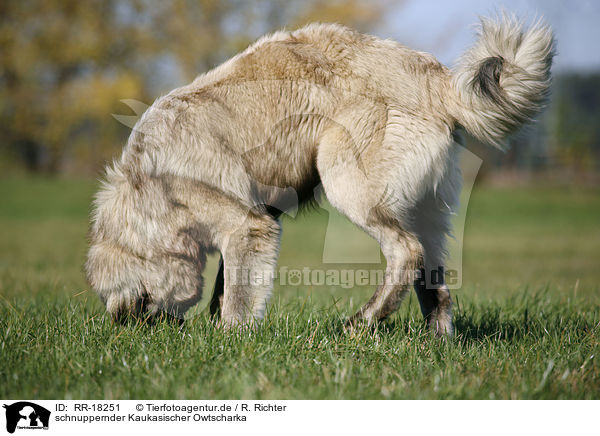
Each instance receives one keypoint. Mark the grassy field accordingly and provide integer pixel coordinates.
(527, 315)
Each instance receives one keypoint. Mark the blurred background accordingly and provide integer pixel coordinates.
(66, 65)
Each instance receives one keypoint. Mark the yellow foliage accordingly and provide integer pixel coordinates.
(66, 64)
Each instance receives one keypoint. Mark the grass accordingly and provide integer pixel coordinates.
(527, 315)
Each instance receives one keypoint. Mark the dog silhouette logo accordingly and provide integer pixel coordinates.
(26, 415)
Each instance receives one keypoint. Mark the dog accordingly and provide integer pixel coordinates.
(209, 166)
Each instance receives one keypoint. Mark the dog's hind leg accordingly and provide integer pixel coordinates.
(431, 221)
(404, 257)
(432, 226)
(361, 193)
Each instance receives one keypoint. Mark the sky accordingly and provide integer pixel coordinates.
(445, 28)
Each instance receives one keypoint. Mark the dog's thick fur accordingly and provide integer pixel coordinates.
(370, 119)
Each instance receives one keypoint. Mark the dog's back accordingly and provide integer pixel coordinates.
(286, 89)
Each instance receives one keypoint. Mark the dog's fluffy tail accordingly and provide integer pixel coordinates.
(504, 79)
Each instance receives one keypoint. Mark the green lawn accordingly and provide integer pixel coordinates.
(527, 315)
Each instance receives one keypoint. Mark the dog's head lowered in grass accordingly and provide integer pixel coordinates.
(143, 259)
(375, 123)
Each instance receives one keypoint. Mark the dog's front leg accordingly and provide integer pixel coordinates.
(249, 258)
(216, 302)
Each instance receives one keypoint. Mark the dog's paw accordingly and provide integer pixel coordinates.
(441, 327)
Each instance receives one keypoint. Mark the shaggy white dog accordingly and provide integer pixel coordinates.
(207, 166)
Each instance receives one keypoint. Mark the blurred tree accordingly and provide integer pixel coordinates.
(357, 14)
(65, 64)
(62, 70)
(574, 121)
